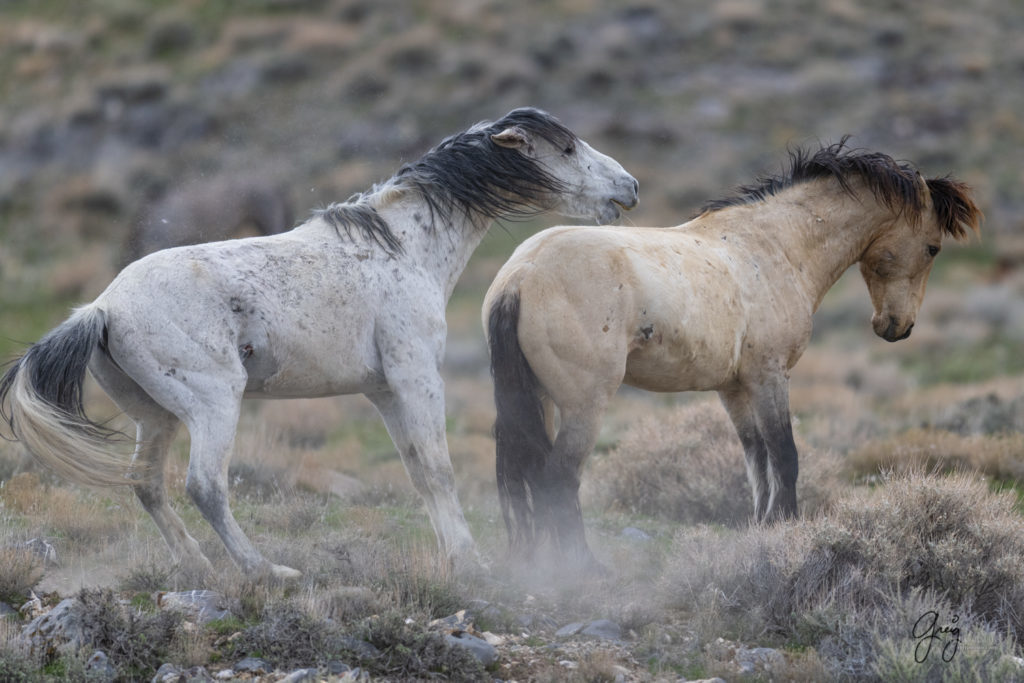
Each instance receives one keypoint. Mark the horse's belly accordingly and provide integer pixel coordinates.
(694, 365)
(310, 365)
(310, 385)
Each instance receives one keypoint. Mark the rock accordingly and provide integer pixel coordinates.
(33, 607)
(1014, 661)
(361, 648)
(759, 660)
(98, 667)
(7, 611)
(569, 629)
(197, 674)
(57, 631)
(599, 628)
(480, 648)
(337, 667)
(42, 549)
(493, 638)
(254, 665)
(603, 629)
(460, 621)
(301, 676)
(202, 606)
(169, 673)
(636, 534)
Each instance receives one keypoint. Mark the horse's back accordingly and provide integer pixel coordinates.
(654, 307)
(285, 310)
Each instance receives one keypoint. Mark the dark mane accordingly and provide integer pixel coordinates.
(894, 184)
(466, 173)
(358, 215)
(954, 207)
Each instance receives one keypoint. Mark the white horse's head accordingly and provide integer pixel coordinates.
(590, 184)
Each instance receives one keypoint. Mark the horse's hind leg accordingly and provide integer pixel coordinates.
(155, 430)
(557, 500)
(212, 424)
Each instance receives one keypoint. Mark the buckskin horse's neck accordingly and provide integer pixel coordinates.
(823, 230)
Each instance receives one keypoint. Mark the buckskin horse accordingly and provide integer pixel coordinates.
(722, 303)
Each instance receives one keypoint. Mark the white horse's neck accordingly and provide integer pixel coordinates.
(827, 230)
(442, 250)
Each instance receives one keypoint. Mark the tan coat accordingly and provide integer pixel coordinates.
(723, 302)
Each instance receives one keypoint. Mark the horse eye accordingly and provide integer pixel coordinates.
(569, 150)
(932, 250)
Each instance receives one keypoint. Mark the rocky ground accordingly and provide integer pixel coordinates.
(532, 645)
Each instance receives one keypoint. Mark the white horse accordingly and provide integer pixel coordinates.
(352, 301)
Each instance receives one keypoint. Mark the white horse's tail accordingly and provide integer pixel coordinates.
(521, 439)
(43, 391)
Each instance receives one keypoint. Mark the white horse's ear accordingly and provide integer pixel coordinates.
(513, 138)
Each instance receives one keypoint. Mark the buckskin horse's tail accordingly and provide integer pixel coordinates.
(43, 393)
(522, 443)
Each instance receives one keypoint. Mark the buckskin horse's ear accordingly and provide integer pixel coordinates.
(513, 138)
(955, 209)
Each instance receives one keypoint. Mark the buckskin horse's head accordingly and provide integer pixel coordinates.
(896, 264)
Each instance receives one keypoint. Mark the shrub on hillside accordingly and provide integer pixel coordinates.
(20, 571)
(689, 467)
(136, 642)
(845, 583)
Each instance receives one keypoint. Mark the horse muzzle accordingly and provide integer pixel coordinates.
(624, 200)
(630, 198)
(892, 330)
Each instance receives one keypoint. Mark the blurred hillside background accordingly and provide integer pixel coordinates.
(111, 106)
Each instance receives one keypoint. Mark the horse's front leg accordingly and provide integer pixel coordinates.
(739, 403)
(413, 411)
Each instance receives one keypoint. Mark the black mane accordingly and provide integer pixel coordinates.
(466, 173)
(894, 184)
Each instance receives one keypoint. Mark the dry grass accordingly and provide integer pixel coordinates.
(76, 521)
(1000, 456)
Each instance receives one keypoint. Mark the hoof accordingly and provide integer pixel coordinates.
(196, 570)
(592, 569)
(283, 573)
(467, 561)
